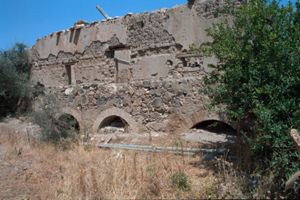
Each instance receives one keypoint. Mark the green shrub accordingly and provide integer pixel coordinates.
(180, 181)
(61, 130)
(14, 80)
(257, 79)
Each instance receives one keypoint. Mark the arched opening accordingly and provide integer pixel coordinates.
(67, 125)
(111, 114)
(211, 132)
(113, 124)
(215, 126)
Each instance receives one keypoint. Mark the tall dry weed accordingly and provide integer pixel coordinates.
(90, 173)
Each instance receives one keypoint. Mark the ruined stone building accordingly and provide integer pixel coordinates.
(134, 71)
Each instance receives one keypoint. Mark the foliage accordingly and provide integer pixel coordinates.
(180, 181)
(61, 130)
(14, 78)
(257, 79)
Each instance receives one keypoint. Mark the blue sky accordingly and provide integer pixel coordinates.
(27, 20)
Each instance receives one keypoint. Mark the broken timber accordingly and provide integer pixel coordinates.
(175, 150)
(103, 13)
(296, 138)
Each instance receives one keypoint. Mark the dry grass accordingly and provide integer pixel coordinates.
(85, 172)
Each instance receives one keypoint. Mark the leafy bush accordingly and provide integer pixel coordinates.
(61, 130)
(14, 79)
(180, 181)
(257, 79)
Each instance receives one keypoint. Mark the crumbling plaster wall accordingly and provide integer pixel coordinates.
(75, 40)
(136, 63)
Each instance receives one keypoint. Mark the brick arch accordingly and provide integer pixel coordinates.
(74, 113)
(133, 125)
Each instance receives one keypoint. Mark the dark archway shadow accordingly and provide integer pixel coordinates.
(211, 134)
(68, 125)
(234, 148)
(215, 126)
(105, 116)
(214, 135)
(113, 124)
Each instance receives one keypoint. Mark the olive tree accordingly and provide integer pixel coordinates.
(14, 78)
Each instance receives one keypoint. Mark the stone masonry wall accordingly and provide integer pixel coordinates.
(150, 103)
(136, 67)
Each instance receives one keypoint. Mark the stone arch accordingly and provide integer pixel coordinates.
(216, 126)
(187, 121)
(115, 121)
(73, 113)
(133, 126)
(67, 125)
(201, 116)
(212, 133)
